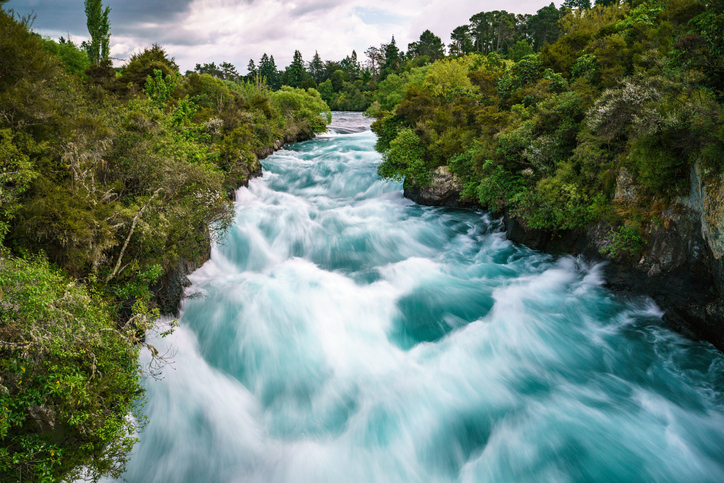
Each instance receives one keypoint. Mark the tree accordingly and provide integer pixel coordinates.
(268, 71)
(251, 67)
(392, 56)
(503, 24)
(429, 45)
(481, 30)
(461, 42)
(228, 71)
(212, 69)
(99, 29)
(143, 64)
(577, 4)
(316, 68)
(351, 66)
(338, 80)
(376, 60)
(544, 26)
(295, 71)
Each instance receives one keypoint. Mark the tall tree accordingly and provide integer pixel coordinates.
(461, 42)
(481, 28)
(268, 71)
(316, 68)
(544, 25)
(577, 4)
(228, 71)
(375, 61)
(251, 67)
(99, 28)
(393, 58)
(350, 66)
(212, 69)
(429, 44)
(295, 71)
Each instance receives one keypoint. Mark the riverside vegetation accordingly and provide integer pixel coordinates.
(112, 177)
(107, 179)
(541, 129)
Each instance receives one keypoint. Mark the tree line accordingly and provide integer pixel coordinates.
(350, 84)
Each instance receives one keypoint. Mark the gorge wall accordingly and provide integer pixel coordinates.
(681, 267)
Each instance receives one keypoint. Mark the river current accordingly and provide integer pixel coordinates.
(341, 333)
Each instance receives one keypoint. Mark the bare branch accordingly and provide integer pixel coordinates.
(130, 234)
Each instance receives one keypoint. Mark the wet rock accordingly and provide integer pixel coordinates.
(681, 267)
(169, 290)
(444, 190)
(625, 188)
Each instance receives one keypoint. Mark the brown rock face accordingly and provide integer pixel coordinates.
(444, 190)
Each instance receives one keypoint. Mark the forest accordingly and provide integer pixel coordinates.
(108, 179)
(631, 89)
(112, 176)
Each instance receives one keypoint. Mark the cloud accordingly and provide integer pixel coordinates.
(198, 31)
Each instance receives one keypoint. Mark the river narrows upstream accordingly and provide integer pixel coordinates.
(341, 333)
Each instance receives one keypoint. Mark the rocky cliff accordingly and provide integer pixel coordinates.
(681, 266)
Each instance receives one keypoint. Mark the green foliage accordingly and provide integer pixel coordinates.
(99, 28)
(429, 46)
(75, 60)
(497, 187)
(16, 173)
(158, 88)
(405, 160)
(116, 185)
(625, 241)
(69, 378)
(143, 64)
(305, 108)
(540, 129)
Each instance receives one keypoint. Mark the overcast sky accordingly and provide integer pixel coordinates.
(236, 30)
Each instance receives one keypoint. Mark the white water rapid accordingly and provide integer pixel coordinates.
(342, 333)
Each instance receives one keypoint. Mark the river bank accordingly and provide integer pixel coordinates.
(169, 290)
(677, 268)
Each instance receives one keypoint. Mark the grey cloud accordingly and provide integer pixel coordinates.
(304, 8)
(126, 16)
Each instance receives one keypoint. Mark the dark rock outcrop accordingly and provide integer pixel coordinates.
(681, 266)
(169, 290)
(444, 190)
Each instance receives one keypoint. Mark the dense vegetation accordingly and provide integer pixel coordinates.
(631, 89)
(108, 177)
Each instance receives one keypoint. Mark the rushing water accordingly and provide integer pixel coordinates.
(343, 334)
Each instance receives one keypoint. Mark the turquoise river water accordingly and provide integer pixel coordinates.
(341, 333)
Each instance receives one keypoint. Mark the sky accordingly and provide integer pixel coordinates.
(200, 31)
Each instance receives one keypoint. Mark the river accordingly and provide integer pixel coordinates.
(341, 333)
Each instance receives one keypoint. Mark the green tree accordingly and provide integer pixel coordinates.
(392, 58)
(462, 43)
(75, 60)
(429, 45)
(99, 29)
(268, 71)
(141, 65)
(316, 68)
(337, 80)
(295, 72)
(577, 4)
(251, 70)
